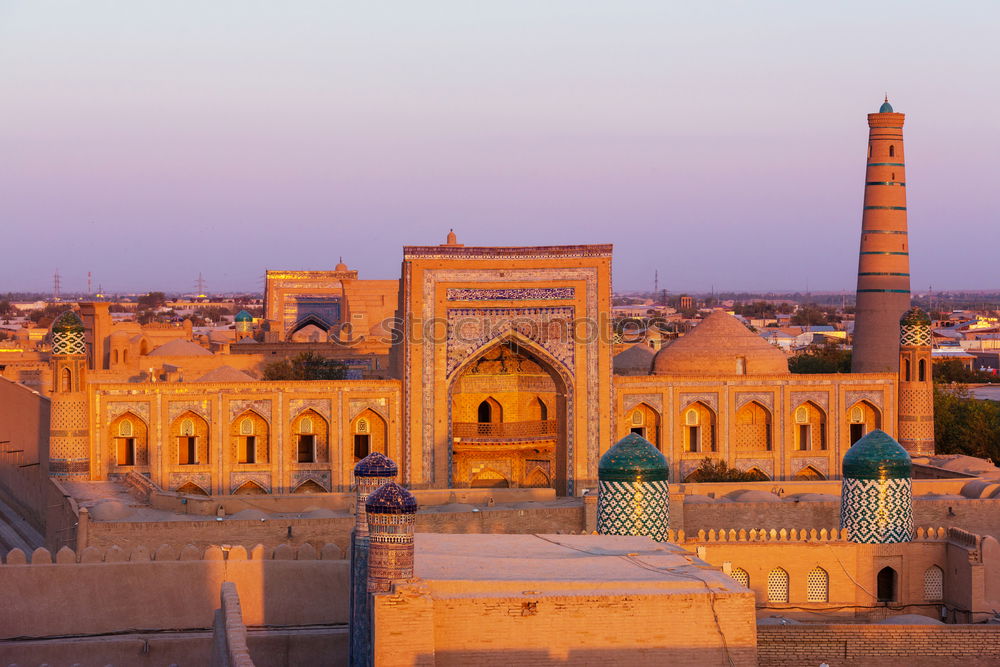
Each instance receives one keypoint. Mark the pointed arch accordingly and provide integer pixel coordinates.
(369, 433)
(309, 438)
(862, 418)
(537, 479)
(752, 432)
(490, 411)
(741, 576)
(809, 427)
(777, 585)
(757, 475)
(698, 423)
(488, 478)
(933, 584)
(66, 380)
(250, 488)
(307, 320)
(644, 420)
(191, 489)
(885, 585)
(537, 410)
(189, 437)
(128, 434)
(809, 474)
(309, 486)
(250, 442)
(817, 585)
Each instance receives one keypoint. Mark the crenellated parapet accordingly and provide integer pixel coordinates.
(929, 534)
(167, 552)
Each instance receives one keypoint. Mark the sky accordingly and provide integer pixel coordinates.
(718, 143)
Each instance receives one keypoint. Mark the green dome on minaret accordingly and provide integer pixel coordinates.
(915, 317)
(631, 459)
(877, 456)
(68, 322)
(243, 316)
(886, 107)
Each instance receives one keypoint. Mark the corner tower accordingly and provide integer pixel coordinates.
(69, 445)
(884, 262)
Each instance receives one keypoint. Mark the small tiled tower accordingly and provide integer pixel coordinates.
(633, 494)
(392, 513)
(370, 473)
(916, 391)
(876, 501)
(884, 259)
(69, 449)
(244, 325)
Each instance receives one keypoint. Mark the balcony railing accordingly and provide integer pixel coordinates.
(532, 429)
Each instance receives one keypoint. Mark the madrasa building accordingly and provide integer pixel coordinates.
(488, 367)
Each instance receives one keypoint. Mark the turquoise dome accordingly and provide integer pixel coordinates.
(632, 459)
(68, 322)
(885, 108)
(877, 456)
(243, 316)
(376, 464)
(915, 317)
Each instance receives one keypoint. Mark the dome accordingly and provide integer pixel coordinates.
(391, 498)
(886, 107)
(243, 316)
(376, 464)
(631, 459)
(720, 345)
(68, 322)
(340, 265)
(915, 317)
(877, 456)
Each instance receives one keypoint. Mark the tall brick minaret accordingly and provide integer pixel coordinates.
(884, 261)
(915, 407)
(68, 432)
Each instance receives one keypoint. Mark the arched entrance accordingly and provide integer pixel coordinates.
(509, 419)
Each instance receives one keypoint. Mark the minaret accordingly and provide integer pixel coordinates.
(69, 441)
(884, 262)
(392, 515)
(876, 495)
(243, 323)
(370, 473)
(633, 494)
(915, 406)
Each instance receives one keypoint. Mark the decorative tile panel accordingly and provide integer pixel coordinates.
(873, 397)
(711, 400)
(470, 329)
(116, 409)
(201, 408)
(238, 479)
(654, 401)
(820, 398)
(634, 508)
(299, 405)
(877, 511)
(764, 398)
(510, 294)
(260, 406)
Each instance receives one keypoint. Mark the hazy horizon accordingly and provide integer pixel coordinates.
(721, 144)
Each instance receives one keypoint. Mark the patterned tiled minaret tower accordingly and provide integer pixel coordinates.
(633, 493)
(884, 262)
(370, 473)
(243, 323)
(392, 515)
(69, 444)
(915, 406)
(876, 496)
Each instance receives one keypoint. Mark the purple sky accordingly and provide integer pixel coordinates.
(720, 143)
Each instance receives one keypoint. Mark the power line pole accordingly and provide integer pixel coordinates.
(56, 284)
(199, 285)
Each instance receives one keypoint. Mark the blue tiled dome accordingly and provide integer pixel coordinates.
(243, 316)
(376, 464)
(631, 459)
(391, 498)
(886, 107)
(877, 456)
(915, 316)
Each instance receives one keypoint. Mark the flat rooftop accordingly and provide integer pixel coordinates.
(562, 564)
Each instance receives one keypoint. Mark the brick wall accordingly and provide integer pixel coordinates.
(850, 645)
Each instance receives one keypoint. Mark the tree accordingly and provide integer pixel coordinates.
(826, 358)
(305, 366)
(809, 315)
(7, 309)
(965, 425)
(711, 470)
(953, 370)
(152, 300)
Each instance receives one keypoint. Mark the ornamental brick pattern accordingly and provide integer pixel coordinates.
(634, 508)
(877, 511)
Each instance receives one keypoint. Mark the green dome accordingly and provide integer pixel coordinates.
(631, 459)
(914, 317)
(877, 456)
(885, 108)
(243, 316)
(68, 322)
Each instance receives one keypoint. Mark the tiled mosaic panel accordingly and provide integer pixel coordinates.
(877, 511)
(634, 508)
(68, 343)
(469, 329)
(917, 335)
(510, 294)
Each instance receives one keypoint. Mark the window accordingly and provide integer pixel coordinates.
(922, 370)
(187, 427)
(933, 584)
(362, 444)
(804, 434)
(906, 370)
(126, 451)
(741, 576)
(306, 425)
(248, 448)
(125, 428)
(363, 426)
(246, 426)
(67, 380)
(637, 418)
(693, 439)
(777, 585)
(741, 365)
(187, 447)
(886, 585)
(818, 586)
(892, 151)
(307, 448)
